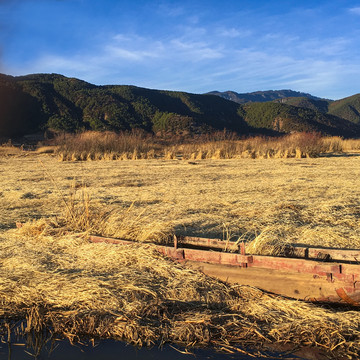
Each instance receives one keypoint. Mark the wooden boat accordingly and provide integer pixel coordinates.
(312, 274)
(324, 275)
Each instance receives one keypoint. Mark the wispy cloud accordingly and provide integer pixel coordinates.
(182, 64)
(323, 47)
(115, 52)
(233, 32)
(355, 10)
(166, 9)
(173, 46)
(195, 51)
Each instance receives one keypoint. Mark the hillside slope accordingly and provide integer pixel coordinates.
(347, 108)
(49, 101)
(321, 105)
(286, 118)
(261, 96)
(70, 104)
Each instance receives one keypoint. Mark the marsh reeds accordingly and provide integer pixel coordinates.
(8, 149)
(137, 145)
(92, 145)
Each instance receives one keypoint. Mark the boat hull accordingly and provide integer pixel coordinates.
(336, 280)
(302, 279)
(295, 285)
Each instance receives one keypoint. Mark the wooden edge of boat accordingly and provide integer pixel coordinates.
(298, 278)
(307, 252)
(301, 278)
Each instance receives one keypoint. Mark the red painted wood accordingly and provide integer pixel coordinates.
(216, 257)
(298, 265)
(345, 277)
(99, 239)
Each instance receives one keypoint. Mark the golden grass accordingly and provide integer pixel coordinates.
(110, 146)
(45, 149)
(301, 201)
(351, 144)
(9, 150)
(82, 215)
(49, 278)
(132, 293)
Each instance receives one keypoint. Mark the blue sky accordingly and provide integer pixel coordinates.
(194, 46)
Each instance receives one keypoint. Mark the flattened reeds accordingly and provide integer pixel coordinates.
(132, 293)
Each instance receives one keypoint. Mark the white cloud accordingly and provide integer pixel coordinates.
(122, 38)
(114, 52)
(355, 10)
(166, 9)
(200, 59)
(233, 33)
(195, 51)
(324, 47)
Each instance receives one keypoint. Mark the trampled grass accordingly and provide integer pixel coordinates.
(132, 293)
(306, 201)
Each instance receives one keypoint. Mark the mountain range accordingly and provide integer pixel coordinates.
(347, 108)
(261, 96)
(40, 102)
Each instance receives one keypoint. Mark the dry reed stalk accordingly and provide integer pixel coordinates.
(269, 242)
(351, 144)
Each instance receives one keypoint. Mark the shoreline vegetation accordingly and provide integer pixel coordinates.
(53, 282)
(93, 145)
(221, 145)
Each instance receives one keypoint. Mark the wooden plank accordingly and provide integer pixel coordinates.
(208, 243)
(174, 253)
(345, 272)
(216, 257)
(297, 265)
(291, 251)
(328, 254)
(334, 254)
(100, 239)
(352, 255)
(301, 286)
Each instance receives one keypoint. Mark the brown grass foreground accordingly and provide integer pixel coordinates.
(77, 289)
(50, 279)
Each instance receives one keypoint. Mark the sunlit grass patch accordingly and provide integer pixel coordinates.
(132, 293)
(136, 145)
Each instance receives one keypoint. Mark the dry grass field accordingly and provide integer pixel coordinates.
(308, 201)
(52, 279)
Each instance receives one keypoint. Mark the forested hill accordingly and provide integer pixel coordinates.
(261, 96)
(49, 101)
(347, 108)
(44, 101)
